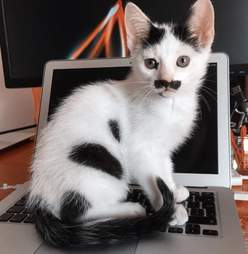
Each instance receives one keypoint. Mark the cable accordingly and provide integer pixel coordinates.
(5, 186)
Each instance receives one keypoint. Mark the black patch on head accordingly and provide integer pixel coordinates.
(98, 157)
(183, 33)
(154, 36)
(73, 205)
(114, 127)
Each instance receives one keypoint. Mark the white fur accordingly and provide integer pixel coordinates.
(151, 128)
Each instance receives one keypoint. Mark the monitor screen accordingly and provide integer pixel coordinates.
(198, 155)
(34, 32)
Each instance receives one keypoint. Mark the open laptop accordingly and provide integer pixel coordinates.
(203, 164)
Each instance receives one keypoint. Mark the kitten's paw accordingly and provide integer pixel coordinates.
(180, 216)
(181, 193)
(136, 210)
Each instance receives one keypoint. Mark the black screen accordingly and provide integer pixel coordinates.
(198, 155)
(33, 32)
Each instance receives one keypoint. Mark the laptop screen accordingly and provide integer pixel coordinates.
(198, 155)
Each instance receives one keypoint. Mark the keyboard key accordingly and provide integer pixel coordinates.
(207, 194)
(210, 212)
(16, 209)
(18, 218)
(175, 230)
(21, 202)
(208, 204)
(27, 211)
(196, 193)
(210, 232)
(207, 199)
(193, 197)
(193, 205)
(197, 212)
(6, 216)
(210, 221)
(193, 229)
(203, 220)
(29, 219)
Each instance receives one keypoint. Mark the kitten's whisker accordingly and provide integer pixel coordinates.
(139, 84)
(142, 94)
(145, 95)
(211, 80)
(210, 90)
(210, 94)
(200, 113)
(206, 103)
(148, 95)
(140, 90)
(134, 82)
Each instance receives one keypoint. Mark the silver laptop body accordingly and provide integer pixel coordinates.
(21, 237)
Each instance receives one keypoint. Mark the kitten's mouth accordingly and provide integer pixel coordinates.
(167, 92)
(168, 88)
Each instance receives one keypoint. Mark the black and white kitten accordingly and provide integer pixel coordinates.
(109, 134)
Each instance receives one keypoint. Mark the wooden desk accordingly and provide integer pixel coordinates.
(14, 165)
(14, 169)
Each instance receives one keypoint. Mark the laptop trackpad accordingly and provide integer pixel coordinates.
(120, 249)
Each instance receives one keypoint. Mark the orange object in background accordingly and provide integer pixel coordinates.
(240, 150)
(105, 30)
(101, 36)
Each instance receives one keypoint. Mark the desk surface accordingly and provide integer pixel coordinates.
(14, 169)
(14, 165)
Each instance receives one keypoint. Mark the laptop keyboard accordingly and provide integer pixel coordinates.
(201, 209)
(19, 213)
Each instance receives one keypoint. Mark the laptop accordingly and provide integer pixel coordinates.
(203, 164)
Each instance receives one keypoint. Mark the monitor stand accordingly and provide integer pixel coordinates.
(9, 139)
(17, 111)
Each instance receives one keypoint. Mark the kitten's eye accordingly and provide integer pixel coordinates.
(151, 63)
(183, 61)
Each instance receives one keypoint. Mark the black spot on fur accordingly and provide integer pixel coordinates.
(182, 33)
(74, 235)
(98, 157)
(73, 206)
(154, 36)
(114, 127)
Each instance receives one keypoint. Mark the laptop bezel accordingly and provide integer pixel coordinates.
(223, 178)
(224, 159)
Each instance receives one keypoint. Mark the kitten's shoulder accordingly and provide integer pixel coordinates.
(98, 91)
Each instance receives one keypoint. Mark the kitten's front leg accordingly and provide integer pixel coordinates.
(180, 192)
(180, 215)
(147, 169)
(149, 166)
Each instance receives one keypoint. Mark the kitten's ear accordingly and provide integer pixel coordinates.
(201, 22)
(137, 25)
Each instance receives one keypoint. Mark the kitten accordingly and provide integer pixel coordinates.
(109, 134)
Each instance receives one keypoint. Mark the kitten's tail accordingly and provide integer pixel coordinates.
(61, 234)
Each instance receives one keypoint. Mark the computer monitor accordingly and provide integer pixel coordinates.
(34, 32)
